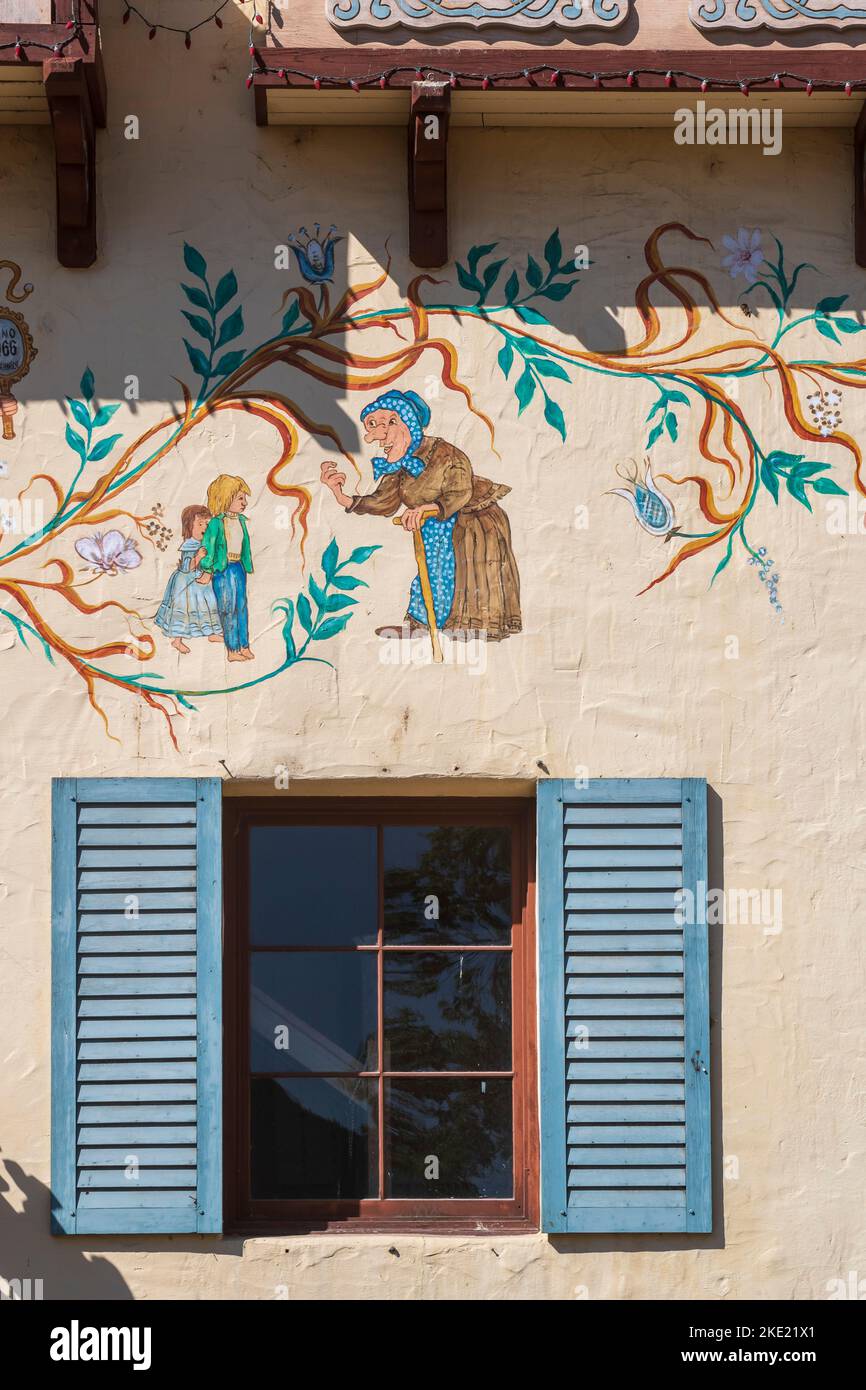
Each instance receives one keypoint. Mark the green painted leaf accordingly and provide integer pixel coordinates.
(806, 469)
(288, 608)
(825, 328)
(22, 627)
(797, 489)
(88, 385)
(553, 251)
(203, 327)
(477, 253)
(103, 415)
(198, 359)
(528, 348)
(661, 404)
(491, 275)
(534, 273)
(557, 291)
(194, 261)
(826, 485)
(830, 305)
(358, 556)
(671, 426)
(197, 297)
(468, 281)
(525, 388)
(512, 288)
(849, 326)
(348, 581)
(678, 396)
(103, 448)
(779, 459)
(554, 416)
(721, 565)
(290, 315)
(531, 315)
(305, 613)
(505, 357)
(225, 290)
(229, 363)
(329, 559)
(80, 412)
(552, 369)
(232, 328)
(318, 593)
(770, 479)
(655, 434)
(334, 602)
(330, 628)
(74, 440)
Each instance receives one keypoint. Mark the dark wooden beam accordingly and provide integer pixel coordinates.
(860, 189)
(72, 119)
(507, 67)
(428, 173)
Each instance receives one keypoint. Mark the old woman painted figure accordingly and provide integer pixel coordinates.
(466, 535)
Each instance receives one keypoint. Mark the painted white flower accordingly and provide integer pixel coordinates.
(4, 470)
(833, 398)
(109, 553)
(745, 254)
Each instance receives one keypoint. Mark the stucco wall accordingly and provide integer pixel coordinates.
(685, 680)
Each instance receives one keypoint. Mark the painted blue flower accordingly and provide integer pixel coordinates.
(315, 255)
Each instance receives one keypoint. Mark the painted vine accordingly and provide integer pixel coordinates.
(325, 342)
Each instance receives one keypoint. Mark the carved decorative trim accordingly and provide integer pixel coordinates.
(436, 14)
(775, 14)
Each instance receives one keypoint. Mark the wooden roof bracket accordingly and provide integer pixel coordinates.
(860, 189)
(429, 119)
(76, 109)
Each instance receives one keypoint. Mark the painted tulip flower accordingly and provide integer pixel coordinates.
(315, 255)
(110, 553)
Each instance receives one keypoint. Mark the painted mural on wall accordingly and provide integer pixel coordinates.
(433, 14)
(687, 363)
(775, 14)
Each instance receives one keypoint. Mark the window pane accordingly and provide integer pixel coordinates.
(314, 1138)
(447, 1010)
(313, 1011)
(313, 885)
(447, 883)
(448, 1138)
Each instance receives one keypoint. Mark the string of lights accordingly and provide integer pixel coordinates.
(576, 79)
(20, 45)
(186, 30)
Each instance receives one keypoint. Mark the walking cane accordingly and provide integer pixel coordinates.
(426, 590)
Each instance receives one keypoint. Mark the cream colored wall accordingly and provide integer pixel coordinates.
(600, 679)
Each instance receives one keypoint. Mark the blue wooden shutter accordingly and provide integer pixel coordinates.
(136, 1112)
(625, 1086)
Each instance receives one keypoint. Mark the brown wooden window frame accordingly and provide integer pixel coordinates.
(243, 1213)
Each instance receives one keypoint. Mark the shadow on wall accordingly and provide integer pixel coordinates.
(715, 1240)
(65, 1267)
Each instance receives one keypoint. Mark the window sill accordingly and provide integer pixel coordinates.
(415, 1226)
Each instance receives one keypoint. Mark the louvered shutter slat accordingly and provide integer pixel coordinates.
(625, 1007)
(136, 1084)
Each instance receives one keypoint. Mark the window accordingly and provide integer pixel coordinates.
(380, 1014)
(374, 995)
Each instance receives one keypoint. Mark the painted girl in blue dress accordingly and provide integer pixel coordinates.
(466, 534)
(187, 609)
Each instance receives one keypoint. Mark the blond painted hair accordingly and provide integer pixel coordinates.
(221, 492)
